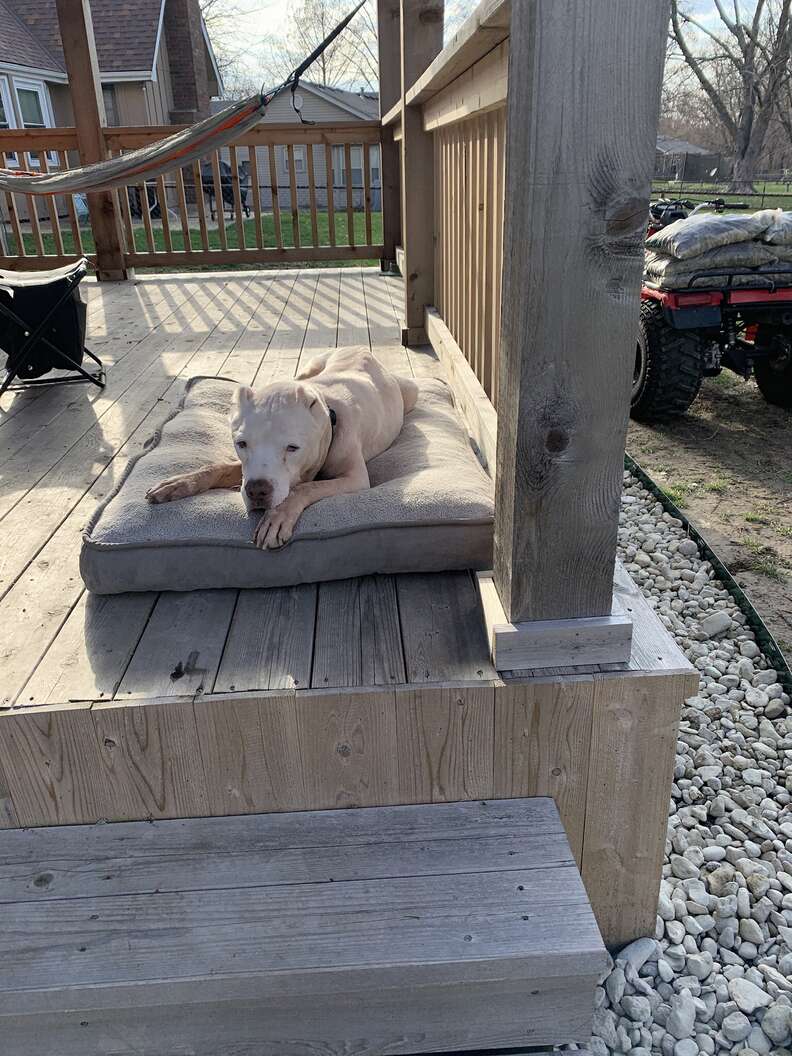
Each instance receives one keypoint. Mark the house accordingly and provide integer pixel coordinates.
(156, 63)
(677, 159)
(319, 103)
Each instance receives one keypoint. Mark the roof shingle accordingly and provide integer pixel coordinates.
(125, 33)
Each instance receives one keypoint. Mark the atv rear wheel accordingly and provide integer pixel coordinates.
(774, 373)
(669, 365)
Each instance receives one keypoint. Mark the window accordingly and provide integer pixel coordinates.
(110, 105)
(7, 119)
(356, 159)
(34, 108)
(299, 160)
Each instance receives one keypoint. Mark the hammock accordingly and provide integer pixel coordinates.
(175, 151)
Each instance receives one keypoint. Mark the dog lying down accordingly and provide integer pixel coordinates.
(344, 409)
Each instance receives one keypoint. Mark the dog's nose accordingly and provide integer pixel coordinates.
(259, 492)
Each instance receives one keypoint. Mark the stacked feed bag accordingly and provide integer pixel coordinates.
(680, 255)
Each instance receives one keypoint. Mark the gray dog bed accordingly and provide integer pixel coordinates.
(430, 508)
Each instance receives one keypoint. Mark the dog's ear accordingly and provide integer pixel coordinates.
(309, 397)
(243, 395)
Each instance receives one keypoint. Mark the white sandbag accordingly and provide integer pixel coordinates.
(779, 233)
(739, 255)
(696, 234)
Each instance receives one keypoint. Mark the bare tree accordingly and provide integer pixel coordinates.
(222, 18)
(742, 66)
(351, 61)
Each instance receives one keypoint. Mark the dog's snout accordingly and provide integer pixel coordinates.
(259, 492)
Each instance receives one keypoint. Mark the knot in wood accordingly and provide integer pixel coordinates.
(431, 15)
(556, 440)
(343, 750)
(626, 217)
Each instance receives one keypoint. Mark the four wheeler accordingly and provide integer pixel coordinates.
(687, 335)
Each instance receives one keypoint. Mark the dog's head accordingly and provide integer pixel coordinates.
(281, 435)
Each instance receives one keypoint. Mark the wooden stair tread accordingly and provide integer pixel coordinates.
(315, 906)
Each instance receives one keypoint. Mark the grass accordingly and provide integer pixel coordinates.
(232, 236)
(770, 194)
(756, 518)
(678, 492)
(767, 566)
(720, 486)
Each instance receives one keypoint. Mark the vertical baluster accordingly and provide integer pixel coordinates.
(295, 212)
(349, 199)
(74, 222)
(255, 190)
(13, 216)
(181, 197)
(145, 214)
(240, 227)
(126, 215)
(330, 193)
(201, 206)
(32, 207)
(162, 200)
(312, 194)
(276, 213)
(52, 206)
(367, 190)
(437, 148)
(219, 203)
(475, 172)
(499, 148)
(486, 250)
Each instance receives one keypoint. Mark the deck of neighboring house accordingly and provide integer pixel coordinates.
(62, 450)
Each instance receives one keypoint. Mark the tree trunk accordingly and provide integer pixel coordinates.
(742, 180)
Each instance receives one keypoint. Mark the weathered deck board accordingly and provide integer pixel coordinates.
(270, 641)
(412, 928)
(358, 639)
(442, 628)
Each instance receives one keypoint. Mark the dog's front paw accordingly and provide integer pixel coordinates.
(168, 490)
(275, 530)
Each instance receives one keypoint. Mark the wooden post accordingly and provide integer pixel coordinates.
(421, 41)
(79, 49)
(584, 91)
(390, 92)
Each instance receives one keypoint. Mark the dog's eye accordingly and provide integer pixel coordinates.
(241, 444)
(292, 448)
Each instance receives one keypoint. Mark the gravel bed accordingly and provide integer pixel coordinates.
(717, 976)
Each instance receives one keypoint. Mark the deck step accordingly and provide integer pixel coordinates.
(413, 929)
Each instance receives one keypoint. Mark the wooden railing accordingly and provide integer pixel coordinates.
(469, 172)
(292, 193)
(461, 98)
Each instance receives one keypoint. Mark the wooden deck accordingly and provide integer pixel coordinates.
(61, 452)
(391, 930)
(363, 692)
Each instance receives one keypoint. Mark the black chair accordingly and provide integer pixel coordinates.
(42, 328)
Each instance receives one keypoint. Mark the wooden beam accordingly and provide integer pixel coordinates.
(421, 41)
(485, 29)
(389, 35)
(82, 67)
(584, 91)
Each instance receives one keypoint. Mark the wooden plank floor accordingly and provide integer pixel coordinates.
(390, 930)
(61, 451)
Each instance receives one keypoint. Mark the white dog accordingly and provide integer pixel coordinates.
(341, 411)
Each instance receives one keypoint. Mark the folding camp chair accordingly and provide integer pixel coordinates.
(42, 328)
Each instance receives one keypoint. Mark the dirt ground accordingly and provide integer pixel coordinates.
(728, 465)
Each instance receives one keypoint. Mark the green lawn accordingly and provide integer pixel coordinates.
(767, 194)
(232, 236)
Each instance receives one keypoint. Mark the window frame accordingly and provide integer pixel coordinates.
(31, 84)
(10, 112)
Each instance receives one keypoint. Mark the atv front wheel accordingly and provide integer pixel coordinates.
(668, 369)
(773, 373)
